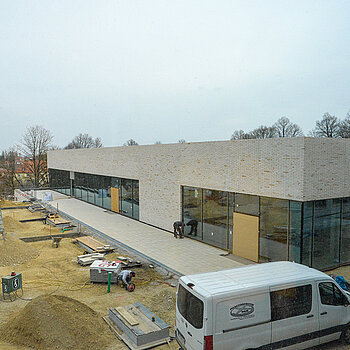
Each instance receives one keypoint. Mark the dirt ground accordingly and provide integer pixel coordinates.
(54, 272)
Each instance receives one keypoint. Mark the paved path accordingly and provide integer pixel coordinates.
(185, 256)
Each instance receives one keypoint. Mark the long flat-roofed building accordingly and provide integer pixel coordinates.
(262, 199)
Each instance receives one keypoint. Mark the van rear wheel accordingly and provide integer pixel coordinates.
(346, 335)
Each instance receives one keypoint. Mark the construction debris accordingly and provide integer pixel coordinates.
(138, 327)
(36, 207)
(88, 259)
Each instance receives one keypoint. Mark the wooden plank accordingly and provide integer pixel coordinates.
(127, 316)
(93, 244)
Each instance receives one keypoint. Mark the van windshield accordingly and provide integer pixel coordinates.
(190, 307)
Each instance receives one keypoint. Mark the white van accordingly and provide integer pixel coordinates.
(280, 305)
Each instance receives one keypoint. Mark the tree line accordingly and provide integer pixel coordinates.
(328, 126)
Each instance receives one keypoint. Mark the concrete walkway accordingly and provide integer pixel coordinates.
(183, 256)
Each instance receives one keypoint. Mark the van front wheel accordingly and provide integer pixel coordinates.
(346, 334)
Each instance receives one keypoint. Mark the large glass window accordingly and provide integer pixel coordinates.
(246, 204)
(231, 208)
(135, 196)
(308, 224)
(96, 189)
(326, 233)
(215, 218)
(91, 188)
(126, 197)
(345, 232)
(60, 180)
(295, 231)
(106, 192)
(291, 302)
(273, 229)
(192, 211)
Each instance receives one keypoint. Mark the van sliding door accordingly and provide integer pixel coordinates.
(294, 316)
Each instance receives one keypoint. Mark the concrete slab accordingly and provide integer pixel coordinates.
(183, 256)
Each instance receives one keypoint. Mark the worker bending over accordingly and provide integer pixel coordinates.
(126, 277)
(179, 229)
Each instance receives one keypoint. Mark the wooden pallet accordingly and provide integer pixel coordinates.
(94, 245)
(58, 221)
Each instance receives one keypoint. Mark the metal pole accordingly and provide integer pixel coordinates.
(109, 282)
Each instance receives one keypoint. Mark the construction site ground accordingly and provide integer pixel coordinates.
(64, 297)
(54, 271)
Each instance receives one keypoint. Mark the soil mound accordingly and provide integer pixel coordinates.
(11, 225)
(13, 251)
(57, 322)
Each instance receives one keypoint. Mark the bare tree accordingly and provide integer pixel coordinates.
(263, 132)
(285, 128)
(344, 127)
(182, 141)
(10, 179)
(328, 126)
(158, 143)
(131, 142)
(84, 141)
(35, 144)
(240, 135)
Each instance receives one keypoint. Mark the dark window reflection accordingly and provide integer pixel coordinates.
(308, 221)
(96, 189)
(246, 204)
(326, 233)
(192, 211)
(295, 231)
(135, 196)
(345, 234)
(126, 197)
(215, 218)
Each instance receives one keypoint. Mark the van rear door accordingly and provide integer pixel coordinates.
(190, 313)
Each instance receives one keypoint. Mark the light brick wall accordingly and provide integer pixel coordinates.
(271, 167)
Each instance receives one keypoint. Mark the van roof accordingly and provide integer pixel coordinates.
(252, 277)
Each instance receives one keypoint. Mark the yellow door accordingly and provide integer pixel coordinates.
(115, 199)
(246, 236)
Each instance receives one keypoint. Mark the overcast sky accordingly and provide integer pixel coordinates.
(170, 69)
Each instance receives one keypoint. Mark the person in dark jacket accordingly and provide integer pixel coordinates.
(179, 229)
(194, 224)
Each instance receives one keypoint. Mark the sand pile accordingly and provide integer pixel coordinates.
(12, 225)
(13, 251)
(57, 322)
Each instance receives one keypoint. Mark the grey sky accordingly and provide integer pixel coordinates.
(164, 70)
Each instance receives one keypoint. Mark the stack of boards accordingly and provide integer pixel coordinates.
(88, 259)
(138, 327)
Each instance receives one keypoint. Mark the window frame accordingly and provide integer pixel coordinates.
(344, 301)
(303, 308)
